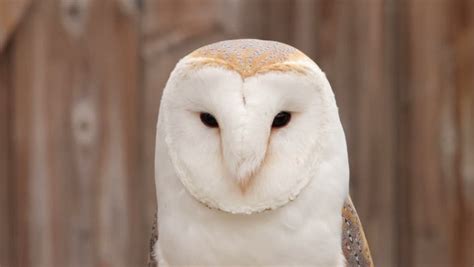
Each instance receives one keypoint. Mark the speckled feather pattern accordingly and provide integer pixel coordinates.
(249, 57)
(153, 239)
(354, 244)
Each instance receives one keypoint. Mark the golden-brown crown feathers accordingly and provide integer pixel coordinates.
(249, 57)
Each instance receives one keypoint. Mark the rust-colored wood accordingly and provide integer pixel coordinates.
(11, 13)
(427, 146)
(462, 40)
(75, 81)
(6, 183)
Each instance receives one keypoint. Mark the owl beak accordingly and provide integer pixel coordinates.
(245, 171)
(244, 184)
(244, 152)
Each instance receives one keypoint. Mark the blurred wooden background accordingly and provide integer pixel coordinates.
(80, 83)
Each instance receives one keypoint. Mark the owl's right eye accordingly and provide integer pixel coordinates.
(209, 120)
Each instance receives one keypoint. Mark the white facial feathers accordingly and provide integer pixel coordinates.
(245, 165)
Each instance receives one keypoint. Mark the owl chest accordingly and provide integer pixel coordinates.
(209, 238)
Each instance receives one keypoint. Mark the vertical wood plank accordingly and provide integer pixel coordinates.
(76, 86)
(20, 167)
(462, 41)
(30, 202)
(429, 171)
(6, 182)
(374, 155)
(400, 79)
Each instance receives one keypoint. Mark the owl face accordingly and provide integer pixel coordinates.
(247, 144)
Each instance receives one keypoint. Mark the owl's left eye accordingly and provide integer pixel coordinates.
(209, 120)
(281, 119)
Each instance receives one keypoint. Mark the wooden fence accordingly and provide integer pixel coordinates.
(80, 83)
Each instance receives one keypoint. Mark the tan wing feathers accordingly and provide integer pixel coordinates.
(354, 244)
(154, 238)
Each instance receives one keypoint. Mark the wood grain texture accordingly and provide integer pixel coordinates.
(464, 156)
(81, 80)
(75, 87)
(427, 157)
(11, 13)
(461, 39)
(436, 211)
(6, 183)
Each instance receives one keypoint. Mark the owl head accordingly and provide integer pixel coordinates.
(248, 125)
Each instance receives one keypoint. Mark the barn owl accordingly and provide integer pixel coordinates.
(251, 165)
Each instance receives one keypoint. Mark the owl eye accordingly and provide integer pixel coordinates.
(281, 119)
(209, 120)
